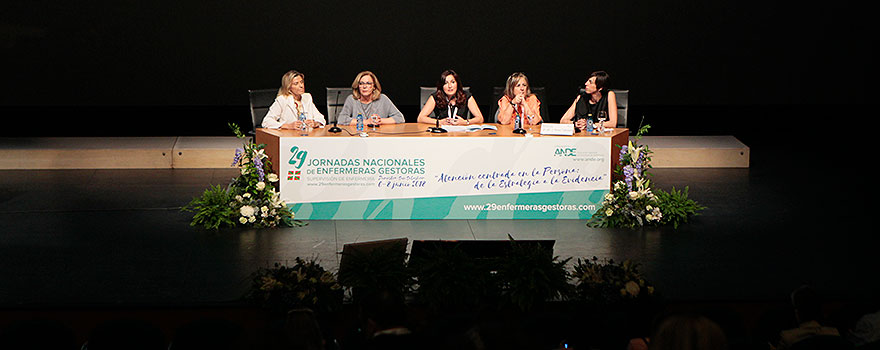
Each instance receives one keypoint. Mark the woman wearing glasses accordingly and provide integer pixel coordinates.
(291, 102)
(450, 103)
(589, 103)
(518, 97)
(367, 98)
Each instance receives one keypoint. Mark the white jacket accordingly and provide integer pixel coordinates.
(283, 111)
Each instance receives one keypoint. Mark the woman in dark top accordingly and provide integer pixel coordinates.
(594, 99)
(450, 103)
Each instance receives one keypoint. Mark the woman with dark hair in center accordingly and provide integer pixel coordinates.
(594, 99)
(450, 103)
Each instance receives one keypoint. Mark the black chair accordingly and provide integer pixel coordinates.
(335, 100)
(426, 91)
(260, 101)
(622, 106)
(130, 334)
(498, 91)
(823, 342)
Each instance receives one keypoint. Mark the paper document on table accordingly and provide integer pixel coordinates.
(557, 129)
(469, 128)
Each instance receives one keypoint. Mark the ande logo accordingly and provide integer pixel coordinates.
(565, 152)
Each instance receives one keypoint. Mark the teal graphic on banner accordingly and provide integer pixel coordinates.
(548, 205)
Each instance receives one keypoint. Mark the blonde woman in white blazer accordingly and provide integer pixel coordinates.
(292, 100)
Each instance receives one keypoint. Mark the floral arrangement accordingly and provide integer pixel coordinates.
(304, 285)
(633, 202)
(250, 199)
(606, 282)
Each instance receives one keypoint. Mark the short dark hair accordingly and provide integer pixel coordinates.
(807, 303)
(602, 79)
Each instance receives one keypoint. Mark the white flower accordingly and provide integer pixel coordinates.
(609, 197)
(649, 208)
(246, 195)
(242, 220)
(252, 219)
(239, 198)
(632, 288)
(608, 212)
(649, 217)
(261, 185)
(245, 171)
(264, 209)
(260, 154)
(634, 195)
(247, 210)
(272, 177)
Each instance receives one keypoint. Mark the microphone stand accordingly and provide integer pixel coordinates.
(335, 129)
(437, 129)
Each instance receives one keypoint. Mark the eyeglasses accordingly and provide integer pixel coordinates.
(365, 83)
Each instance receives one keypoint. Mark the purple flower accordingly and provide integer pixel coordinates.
(237, 158)
(258, 163)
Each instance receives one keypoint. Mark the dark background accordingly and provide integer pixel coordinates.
(143, 68)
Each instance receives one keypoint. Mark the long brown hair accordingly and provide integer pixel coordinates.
(440, 96)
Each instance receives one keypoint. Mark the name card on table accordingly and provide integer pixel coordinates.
(557, 129)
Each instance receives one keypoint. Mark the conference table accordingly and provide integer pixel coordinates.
(402, 171)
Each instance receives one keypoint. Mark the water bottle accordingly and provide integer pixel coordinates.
(303, 128)
(517, 121)
(360, 122)
(589, 123)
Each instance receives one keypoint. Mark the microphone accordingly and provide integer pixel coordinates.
(437, 129)
(335, 129)
(518, 122)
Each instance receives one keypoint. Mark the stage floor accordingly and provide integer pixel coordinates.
(118, 237)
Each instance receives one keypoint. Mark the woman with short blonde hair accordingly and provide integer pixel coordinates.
(368, 100)
(290, 103)
(377, 88)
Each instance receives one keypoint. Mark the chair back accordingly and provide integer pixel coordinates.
(822, 342)
(622, 106)
(260, 101)
(427, 91)
(335, 100)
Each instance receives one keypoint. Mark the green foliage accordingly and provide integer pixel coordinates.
(379, 270)
(212, 209)
(252, 198)
(676, 206)
(449, 279)
(633, 202)
(304, 285)
(531, 274)
(608, 283)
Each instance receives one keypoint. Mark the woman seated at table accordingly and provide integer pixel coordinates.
(367, 98)
(450, 103)
(291, 101)
(519, 97)
(594, 99)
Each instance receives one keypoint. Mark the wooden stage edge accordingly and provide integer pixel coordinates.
(211, 152)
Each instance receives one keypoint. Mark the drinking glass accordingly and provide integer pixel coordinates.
(374, 121)
(603, 116)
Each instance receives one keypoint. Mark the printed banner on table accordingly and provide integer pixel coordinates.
(444, 177)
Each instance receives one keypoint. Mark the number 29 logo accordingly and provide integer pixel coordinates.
(298, 157)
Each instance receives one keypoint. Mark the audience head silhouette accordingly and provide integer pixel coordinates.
(688, 332)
